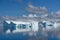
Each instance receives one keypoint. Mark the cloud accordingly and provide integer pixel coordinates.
(30, 15)
(34, 9)
(24, 15)
(43, 16)
(55, 14)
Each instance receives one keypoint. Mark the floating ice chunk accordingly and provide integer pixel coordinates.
(8, 31)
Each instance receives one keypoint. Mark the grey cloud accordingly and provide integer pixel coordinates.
(30, 15)
(34, 9)
(55, 14)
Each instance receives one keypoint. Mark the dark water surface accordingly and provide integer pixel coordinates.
(20, 36)
(13, 37)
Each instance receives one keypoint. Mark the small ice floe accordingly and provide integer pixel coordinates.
(8, 31)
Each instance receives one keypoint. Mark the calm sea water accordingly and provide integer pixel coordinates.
(20, 36)
(13, 37)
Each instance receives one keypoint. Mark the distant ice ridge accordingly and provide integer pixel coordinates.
(48, 25)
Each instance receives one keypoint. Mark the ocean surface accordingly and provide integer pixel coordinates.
(20, 36)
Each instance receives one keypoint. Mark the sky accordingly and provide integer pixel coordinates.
(26, 7)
